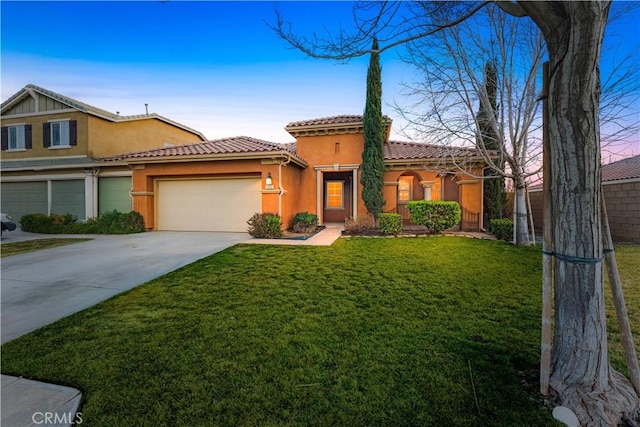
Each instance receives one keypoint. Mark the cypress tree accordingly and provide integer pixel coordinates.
(374, 131)
(494, 192)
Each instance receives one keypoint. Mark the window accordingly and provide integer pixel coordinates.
(404, 189)
(16, 137)
(60, 134)
(335, 194)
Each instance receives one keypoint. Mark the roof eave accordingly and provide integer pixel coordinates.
(220, 156)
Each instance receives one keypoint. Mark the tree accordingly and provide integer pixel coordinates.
(494, 194)
(581, 377)
(468, 68)
(374, 129)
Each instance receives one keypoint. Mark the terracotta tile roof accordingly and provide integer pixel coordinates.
(398, 150)
(333, 120)
(235, 145)
(622, 169)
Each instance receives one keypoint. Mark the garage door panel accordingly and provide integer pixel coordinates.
(114, 194)
(67, 197)
(20, 198)
(208, 204)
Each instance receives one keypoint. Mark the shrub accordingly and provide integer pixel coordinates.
(502, 228)
(304, 222)
(265, 225)
(390, 223)
(113, 222)
(358, 226)
(34, 222)
(436, 215)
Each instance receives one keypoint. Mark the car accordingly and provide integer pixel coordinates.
(7, 223)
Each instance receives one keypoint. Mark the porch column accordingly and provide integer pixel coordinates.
(427, 187)
(319, 196)
(354, 197)
(90, 194)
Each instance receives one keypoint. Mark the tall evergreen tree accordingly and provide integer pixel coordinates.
(494, 192)
(374, 129)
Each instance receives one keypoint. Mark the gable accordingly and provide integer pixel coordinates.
(30, 104)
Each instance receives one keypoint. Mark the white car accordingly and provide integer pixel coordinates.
(7, 223)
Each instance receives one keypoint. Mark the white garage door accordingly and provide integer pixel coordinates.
(207, 204)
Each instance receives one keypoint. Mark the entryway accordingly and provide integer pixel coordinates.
(337, 196)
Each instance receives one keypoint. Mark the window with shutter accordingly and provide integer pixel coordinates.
(13, 138)
(61, 134)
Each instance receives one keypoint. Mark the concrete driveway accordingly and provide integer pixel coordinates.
(41, 287)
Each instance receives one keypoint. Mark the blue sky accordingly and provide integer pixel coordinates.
(214, 66)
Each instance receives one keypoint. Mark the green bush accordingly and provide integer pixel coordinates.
(502, 228)
(359, 226)
(390, 223)
(436, 215)
(34, 221)
(304, 222)
(265, 225)
(113, 222)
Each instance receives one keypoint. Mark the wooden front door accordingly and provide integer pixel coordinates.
(337, 203)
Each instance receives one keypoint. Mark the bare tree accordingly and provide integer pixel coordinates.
(453, 86)
(581, 377)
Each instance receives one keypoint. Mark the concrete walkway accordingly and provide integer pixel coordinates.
(33, 403)
(326, 237)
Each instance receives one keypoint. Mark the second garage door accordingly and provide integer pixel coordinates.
(207, 204)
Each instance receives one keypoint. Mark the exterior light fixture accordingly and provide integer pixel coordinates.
(268, 182)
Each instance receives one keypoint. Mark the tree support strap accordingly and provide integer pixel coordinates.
(574, 259)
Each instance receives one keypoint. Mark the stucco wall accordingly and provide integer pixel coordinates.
(144, 177)
(331, 153)
(623, 209)
(112, 138)
(37, 138)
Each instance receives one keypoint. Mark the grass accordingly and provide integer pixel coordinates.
(366, 332)
(15, 248)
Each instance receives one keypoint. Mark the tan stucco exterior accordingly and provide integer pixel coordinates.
(38, 150)
(108, 138)
(298, 187)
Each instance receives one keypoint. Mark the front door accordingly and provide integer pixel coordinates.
(337, 203)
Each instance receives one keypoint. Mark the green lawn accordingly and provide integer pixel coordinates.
(365, 332)
(15, 248)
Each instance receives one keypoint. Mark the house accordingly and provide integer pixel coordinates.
(218, 185)
(51, 150)
(621, 192)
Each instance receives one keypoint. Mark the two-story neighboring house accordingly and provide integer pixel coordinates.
(51, 151)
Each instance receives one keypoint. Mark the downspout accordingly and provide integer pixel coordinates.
(281, 190)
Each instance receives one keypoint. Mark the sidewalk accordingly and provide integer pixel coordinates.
(33, 403)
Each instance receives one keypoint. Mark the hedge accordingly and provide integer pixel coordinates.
(113, 222)
(436, 215)
(390, 223)
(502, 228)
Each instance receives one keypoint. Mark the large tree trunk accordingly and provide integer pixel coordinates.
(520, 211)
(581, 377)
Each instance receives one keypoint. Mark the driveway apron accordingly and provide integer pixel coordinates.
(41, 287)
